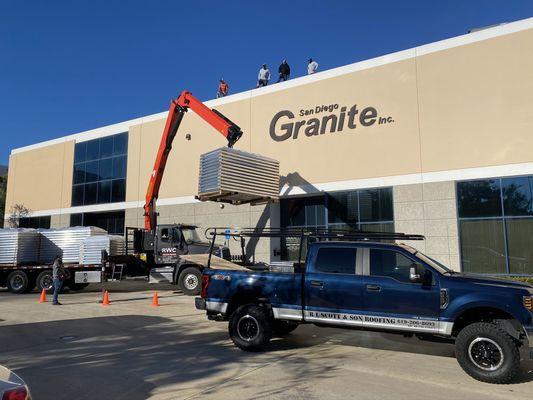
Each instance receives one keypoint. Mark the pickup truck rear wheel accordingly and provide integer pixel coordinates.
(282, 328)
(250, 327)
(190, 281)
(487, 353)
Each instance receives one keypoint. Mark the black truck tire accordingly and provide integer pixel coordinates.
(190, 281)
(250, 327)
(45, 281)
(18, 281)
(487, 353)
(282, 328)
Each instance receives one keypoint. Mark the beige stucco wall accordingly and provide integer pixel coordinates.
(41, 179)
(467, 106)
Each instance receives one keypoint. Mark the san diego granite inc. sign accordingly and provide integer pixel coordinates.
(323, 118)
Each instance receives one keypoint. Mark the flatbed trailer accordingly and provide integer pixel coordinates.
(23, 278)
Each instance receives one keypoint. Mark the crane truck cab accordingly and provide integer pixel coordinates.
(165, 253)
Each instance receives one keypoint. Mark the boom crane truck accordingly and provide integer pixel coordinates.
(166, 252)
(160, 246)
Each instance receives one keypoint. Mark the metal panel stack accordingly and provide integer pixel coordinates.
(91, 248)
(65, 242)
(19, 246)
(235, 176)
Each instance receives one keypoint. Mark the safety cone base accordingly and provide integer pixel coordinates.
(42, 299)
(155, 300)
(105, 300)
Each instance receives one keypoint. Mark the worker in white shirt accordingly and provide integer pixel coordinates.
(312, 67)
(263, 77)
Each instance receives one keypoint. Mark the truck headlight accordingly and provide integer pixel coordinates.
(528, 302)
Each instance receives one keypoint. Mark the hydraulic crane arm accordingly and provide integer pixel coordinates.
(177, 109)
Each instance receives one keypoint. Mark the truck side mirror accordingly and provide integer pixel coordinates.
(413, 276)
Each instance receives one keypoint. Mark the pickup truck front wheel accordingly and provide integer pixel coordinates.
(250, 327)
(487, 353)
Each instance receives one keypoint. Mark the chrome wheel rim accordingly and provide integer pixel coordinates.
(486, 354)
(191, 282)
(248, 328)
(47, 282)
(17, 282)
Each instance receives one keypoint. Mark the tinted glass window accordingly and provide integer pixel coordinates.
(35, 222)
(104, 192)
(518, 196)
(77, 195)
(119, 167)
(100, 170)
(483, 246)
(93, 149)
(112, 222)
(479, 198)
(520, 245)
(90, 193)
(106, 147)
(375, 205)
(79, 173)
(343, 208)
(105, 168)
(336, 260)
(390, 263)
(118, 190)
(91, 171)
(120, 144)
(79, 152)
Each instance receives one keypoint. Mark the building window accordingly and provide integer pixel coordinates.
(496, 225)
(364, 209)
(35, 222)
(112, 221)
(100, 170)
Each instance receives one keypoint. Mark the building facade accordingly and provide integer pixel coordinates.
(435, 140)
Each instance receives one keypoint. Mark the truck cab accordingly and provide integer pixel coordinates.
(164, 254)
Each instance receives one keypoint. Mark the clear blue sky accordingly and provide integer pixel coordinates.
(69, 66)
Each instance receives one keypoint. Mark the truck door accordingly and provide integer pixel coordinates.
(333, 291)
(168, 244)
(391, 299)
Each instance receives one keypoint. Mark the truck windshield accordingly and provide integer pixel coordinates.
(428, 260)
(190, 235)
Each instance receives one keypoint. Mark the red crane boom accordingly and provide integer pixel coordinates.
(178, 108)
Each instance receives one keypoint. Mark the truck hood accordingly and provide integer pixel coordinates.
(490, 281)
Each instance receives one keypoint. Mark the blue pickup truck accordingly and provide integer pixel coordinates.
(379, 286)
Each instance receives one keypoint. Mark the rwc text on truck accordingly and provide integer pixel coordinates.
(380, 286)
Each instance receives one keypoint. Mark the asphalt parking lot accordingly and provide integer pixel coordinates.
(131, 350)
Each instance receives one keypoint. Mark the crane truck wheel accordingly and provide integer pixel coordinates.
(190, 281)
(18, 281)
(45, 281)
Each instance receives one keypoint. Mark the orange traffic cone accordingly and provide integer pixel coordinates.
(155, 300)
(43, 297)
(105, 301)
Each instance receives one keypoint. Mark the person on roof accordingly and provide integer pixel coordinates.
(263, 76)
(223, 88)
(312, 66)
(284, 71)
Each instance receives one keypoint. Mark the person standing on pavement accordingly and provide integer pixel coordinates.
(223, 89)
(263, 76)
(284, 71)
(312, 66)
(59, 274)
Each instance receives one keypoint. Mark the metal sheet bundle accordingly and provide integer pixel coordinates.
(235, 176)
(65, 242)
(91, 248)
(19, 246)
